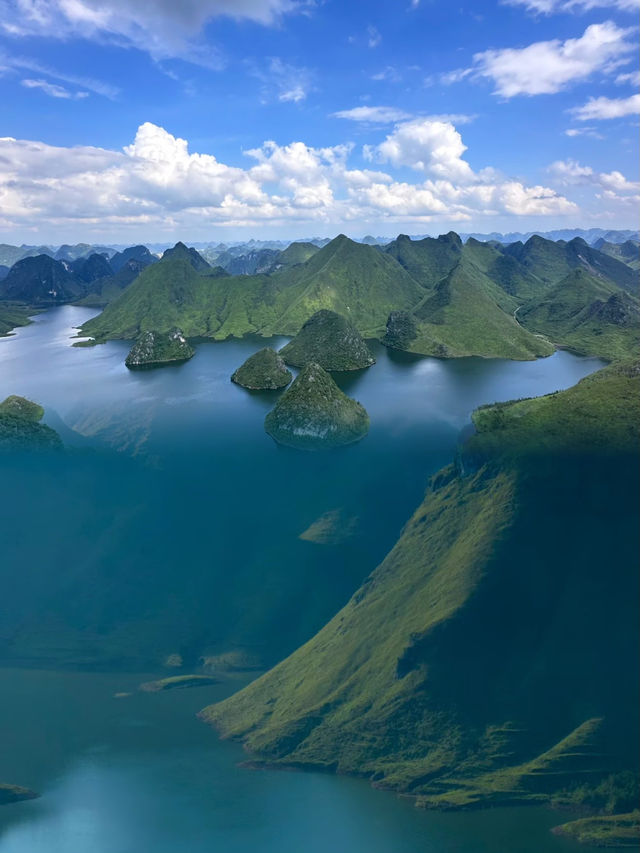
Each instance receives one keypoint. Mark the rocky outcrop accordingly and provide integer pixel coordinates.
(15, 793)
(153, 349)
(330, 340)
(263, 371)
(314, 414)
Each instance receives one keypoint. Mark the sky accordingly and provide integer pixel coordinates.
(222, 120)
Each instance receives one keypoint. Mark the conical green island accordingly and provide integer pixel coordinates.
(314, 413)
(330, 340)
(156, 348)
(263, 371)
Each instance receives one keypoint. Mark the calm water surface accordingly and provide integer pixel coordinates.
(198, 518)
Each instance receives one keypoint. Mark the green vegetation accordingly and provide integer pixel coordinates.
(264, 370)
(20, 427)
(177, 682)
(13, 315)
(314, 414)
(491, 657)
(14, 794)
(621, 830)
(432, 296)
(627, 252)
(329, 340)
(588, 314)
(20, 407)
(154, 349)
(357, 281)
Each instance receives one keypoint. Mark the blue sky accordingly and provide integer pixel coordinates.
(226, 119)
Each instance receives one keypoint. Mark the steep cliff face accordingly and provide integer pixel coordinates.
(491, 656)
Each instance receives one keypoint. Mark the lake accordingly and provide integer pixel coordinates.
(173, 526)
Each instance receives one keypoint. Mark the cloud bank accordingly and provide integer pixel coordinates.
(157, 185)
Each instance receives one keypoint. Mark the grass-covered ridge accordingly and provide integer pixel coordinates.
(491, 657)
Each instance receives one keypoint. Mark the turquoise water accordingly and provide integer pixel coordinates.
(173, 526)
(142, 775)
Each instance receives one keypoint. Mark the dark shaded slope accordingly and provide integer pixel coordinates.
(492, 656)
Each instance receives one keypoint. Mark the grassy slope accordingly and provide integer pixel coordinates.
(482, 661)
(628, 252)
(563, 313)
(468, 314)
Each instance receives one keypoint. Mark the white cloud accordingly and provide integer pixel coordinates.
(283, 82)
(612, 188)
(426, 145)
(23, 63)
(607, 108)
(157, 185)
(164, 28)
(373, 36)
(374, 115)
(547, 67)
(583, 131)
(633, 78)
(52, 89)
(547, 7)
(389, 73)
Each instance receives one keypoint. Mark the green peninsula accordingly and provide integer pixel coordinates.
(314, 414)
(15, 794)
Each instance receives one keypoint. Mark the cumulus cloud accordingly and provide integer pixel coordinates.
(547, 7)
(632, 78)
(164, 28)
(52, 89)
(606, 108)
(613, 188)
(158, 184)
(546, 67)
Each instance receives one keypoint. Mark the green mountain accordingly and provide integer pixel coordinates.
(134, 253)
(41, 281)
(296, 253)
(551, 262)
(492, 657)
(466, 313)
(627, 252)
(182, 252)
(454, 299)
(588, 314)
(314, 414)
(263, 371)
(329, 340)
(105, 290)
(357, 281)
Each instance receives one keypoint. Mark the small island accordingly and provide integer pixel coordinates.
(330, 340)
(15, 794)
(155, 349)
(618, 830)
(177, 682)
(20, 427)
(263, 371)
(314, 414)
